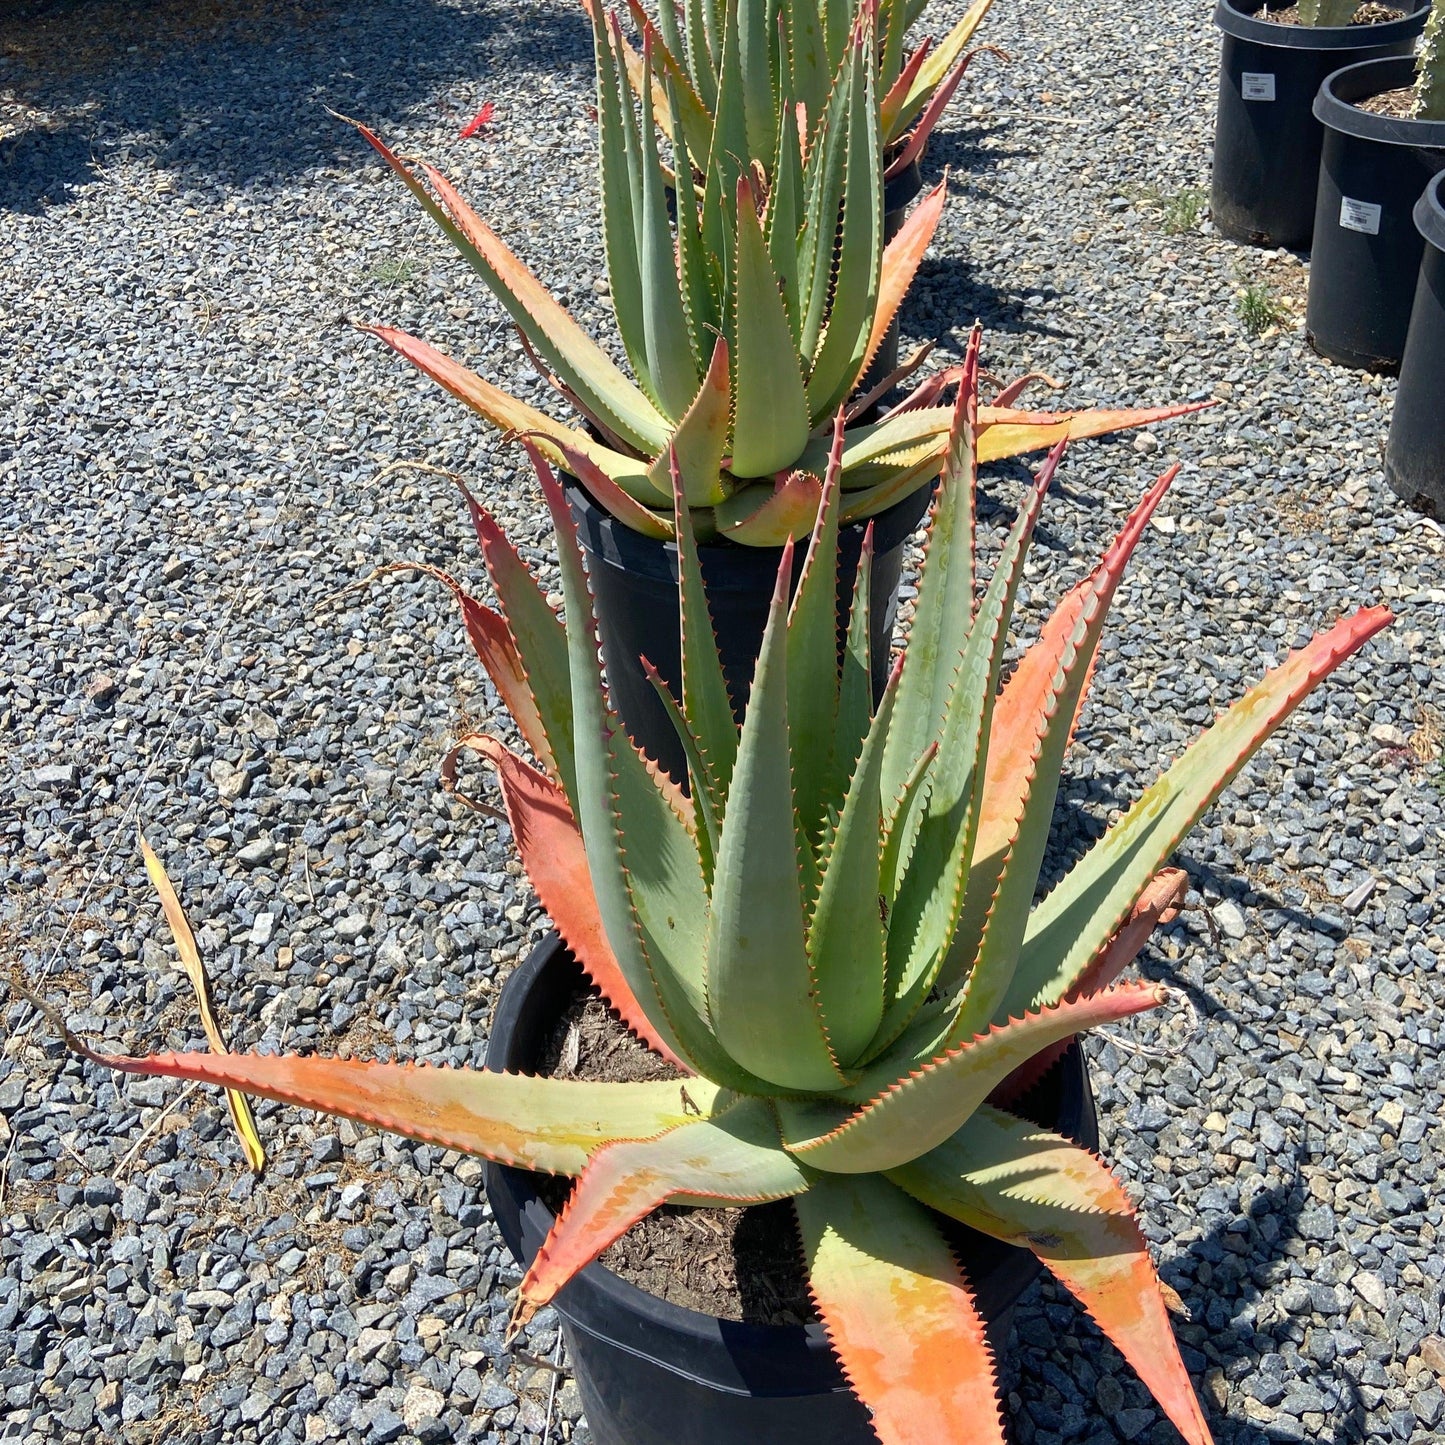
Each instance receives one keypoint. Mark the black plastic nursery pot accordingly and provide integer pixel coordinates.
(899, 192)
(1266, 138)
(653, 1373)
(1367, 251)
(1415, 452)
(634, 586)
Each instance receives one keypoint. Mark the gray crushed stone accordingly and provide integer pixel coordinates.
(194, 492)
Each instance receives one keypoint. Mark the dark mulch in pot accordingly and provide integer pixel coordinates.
(1371, 14)
(1398, 104)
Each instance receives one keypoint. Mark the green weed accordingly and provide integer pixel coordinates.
(393, 271)
(1183, 210)
(1179, 211)
(1260, 308)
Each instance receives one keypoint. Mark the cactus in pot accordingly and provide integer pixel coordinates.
(745, 324)
(834, 939)
(1430, 69)
(1323, 13)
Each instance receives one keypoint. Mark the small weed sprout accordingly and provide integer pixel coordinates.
(1183, 210)
(1259, 308)
(393, 271)
(1180, 211)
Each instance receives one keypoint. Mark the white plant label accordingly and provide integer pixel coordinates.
(1359, 216)
(1255, 85)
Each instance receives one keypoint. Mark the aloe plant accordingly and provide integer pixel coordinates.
(834, 940)
(745, 325)
(1430, 69)
(790, 51)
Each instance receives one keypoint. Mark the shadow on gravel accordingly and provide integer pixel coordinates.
(1251, 897)
(1004, 482)
(1222, 1280)
(950, 286)
(957, 147)
(41, 166)
(231, 92)
(947, 285)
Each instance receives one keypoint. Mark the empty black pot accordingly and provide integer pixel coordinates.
(1367, 251)
(634, 585)
(653, 1373)
(1266, 137)
(1415, 453)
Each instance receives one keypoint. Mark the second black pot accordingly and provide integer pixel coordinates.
(634, 586)
(1415, 453)
(653, 1373)
(1266, 137)
(1367, 251)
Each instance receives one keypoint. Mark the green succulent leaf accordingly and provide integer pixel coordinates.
(783, 219)
(510, 415)
(855, 688)
(727, 162)
(671, 360)
(700, 272)
(918, 1108)
(756, 47)
(760, 987)
(700, 441)
(847, 938)
(823, 178)
(586, 369)
(813, 675)
(1019, 805)
(941, 60)
(736, 1157)
(1035, 1190)
(541, 640)
(686, 119)
(554, 1125)
(931, 889)
(650, 897)
(770, 405)
(1081, 914)
(854, 292)
(809, 69)
(703, 54)
(943, 612)
(892, 27)
(760, 516)
(621, 193)
(709, 821)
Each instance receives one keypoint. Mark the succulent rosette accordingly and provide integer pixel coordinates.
(750, 297)
(833, 937)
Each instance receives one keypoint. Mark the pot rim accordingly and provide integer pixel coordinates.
(1236, 18)
(1430, 213)
(1335, 104)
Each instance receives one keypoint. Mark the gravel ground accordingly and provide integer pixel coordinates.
(194, 488)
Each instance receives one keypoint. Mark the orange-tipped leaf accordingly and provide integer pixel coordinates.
(1034, 1189)
(898, 1314)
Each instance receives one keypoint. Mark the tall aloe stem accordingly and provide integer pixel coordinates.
(1430, 69)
